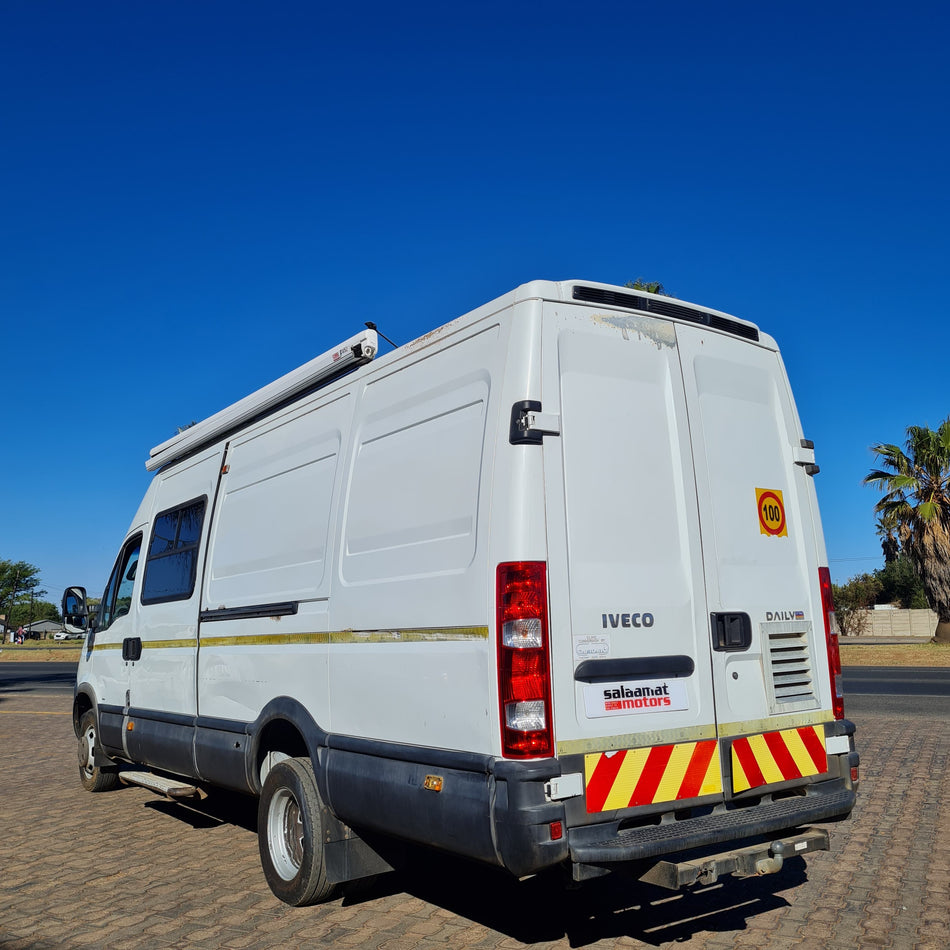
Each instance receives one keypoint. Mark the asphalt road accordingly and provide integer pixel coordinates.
(899, 691)
(897, 681)
(43, 678)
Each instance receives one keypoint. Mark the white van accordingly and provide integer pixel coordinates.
(545, 588)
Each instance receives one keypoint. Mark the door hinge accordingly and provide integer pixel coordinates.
(805, 456)
(529, 424)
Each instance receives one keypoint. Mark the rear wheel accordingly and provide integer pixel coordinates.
(290, 834)
(94, 778)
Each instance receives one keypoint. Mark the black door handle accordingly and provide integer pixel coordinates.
(731, 633)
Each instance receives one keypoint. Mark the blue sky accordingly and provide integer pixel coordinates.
(198, 197)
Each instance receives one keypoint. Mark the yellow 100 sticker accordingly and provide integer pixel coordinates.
(771, 508)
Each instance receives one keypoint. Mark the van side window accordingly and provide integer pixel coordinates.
(117, 600)
(172, 562)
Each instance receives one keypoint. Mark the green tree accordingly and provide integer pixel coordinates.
(650, 286)
(890, 546)
(16, 579)
(901, 585)
(26, 612)
(852, 600)
(915, 481)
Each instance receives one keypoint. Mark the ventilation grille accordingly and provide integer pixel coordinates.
(790, 667)
(666, 308)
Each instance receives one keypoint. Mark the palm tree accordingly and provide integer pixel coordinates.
(890, 546)
(916, 506)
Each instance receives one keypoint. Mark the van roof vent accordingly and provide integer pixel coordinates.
(791, 683)
(665, 307)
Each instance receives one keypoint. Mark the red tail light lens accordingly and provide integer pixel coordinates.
(524, 662)
(831, 639)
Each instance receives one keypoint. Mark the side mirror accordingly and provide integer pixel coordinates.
(75, 611)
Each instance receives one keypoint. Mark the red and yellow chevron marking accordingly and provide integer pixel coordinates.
(663, 773)
(778, 757)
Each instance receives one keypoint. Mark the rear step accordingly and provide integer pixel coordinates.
(169, 787)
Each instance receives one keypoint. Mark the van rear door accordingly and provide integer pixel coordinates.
(761, 543)
(631, 656)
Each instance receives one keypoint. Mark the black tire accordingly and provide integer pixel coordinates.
(290, 834)
(94, 778)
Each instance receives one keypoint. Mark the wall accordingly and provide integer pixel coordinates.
(900, 623)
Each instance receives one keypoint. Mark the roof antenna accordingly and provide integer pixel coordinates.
(372, 326)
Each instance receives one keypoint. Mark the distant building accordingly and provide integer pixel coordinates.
(38, 630)
(42, 629)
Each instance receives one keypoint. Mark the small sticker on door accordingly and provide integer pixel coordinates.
(592, 646)
(771, 508)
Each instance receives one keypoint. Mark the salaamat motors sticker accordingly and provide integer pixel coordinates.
(636, 696)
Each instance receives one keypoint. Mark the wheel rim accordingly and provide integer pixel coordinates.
(285, 834)
(87, 742)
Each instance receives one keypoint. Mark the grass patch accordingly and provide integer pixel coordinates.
(40, 651)
(895, 654)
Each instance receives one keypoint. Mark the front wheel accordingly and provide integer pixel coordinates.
(290, 834)
(94, 778)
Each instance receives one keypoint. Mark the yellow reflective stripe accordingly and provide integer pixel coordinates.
(151, 645)
(775, 723)
(626, 781)
(767, 764)
(635, 740)
(691, 733)
(266, 639)
(712, 781)
(740, 781)
(796, 748)
(417, 635)
(674, 772)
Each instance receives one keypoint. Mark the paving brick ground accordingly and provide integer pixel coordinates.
(126, 869)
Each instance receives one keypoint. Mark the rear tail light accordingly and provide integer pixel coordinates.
(524, 661)
(831, 640)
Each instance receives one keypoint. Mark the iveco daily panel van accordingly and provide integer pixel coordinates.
(545, 588)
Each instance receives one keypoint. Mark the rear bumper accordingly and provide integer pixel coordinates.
(591, 845)
(507, 813)
(594, 844)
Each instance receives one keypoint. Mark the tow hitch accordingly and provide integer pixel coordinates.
(745, 862)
